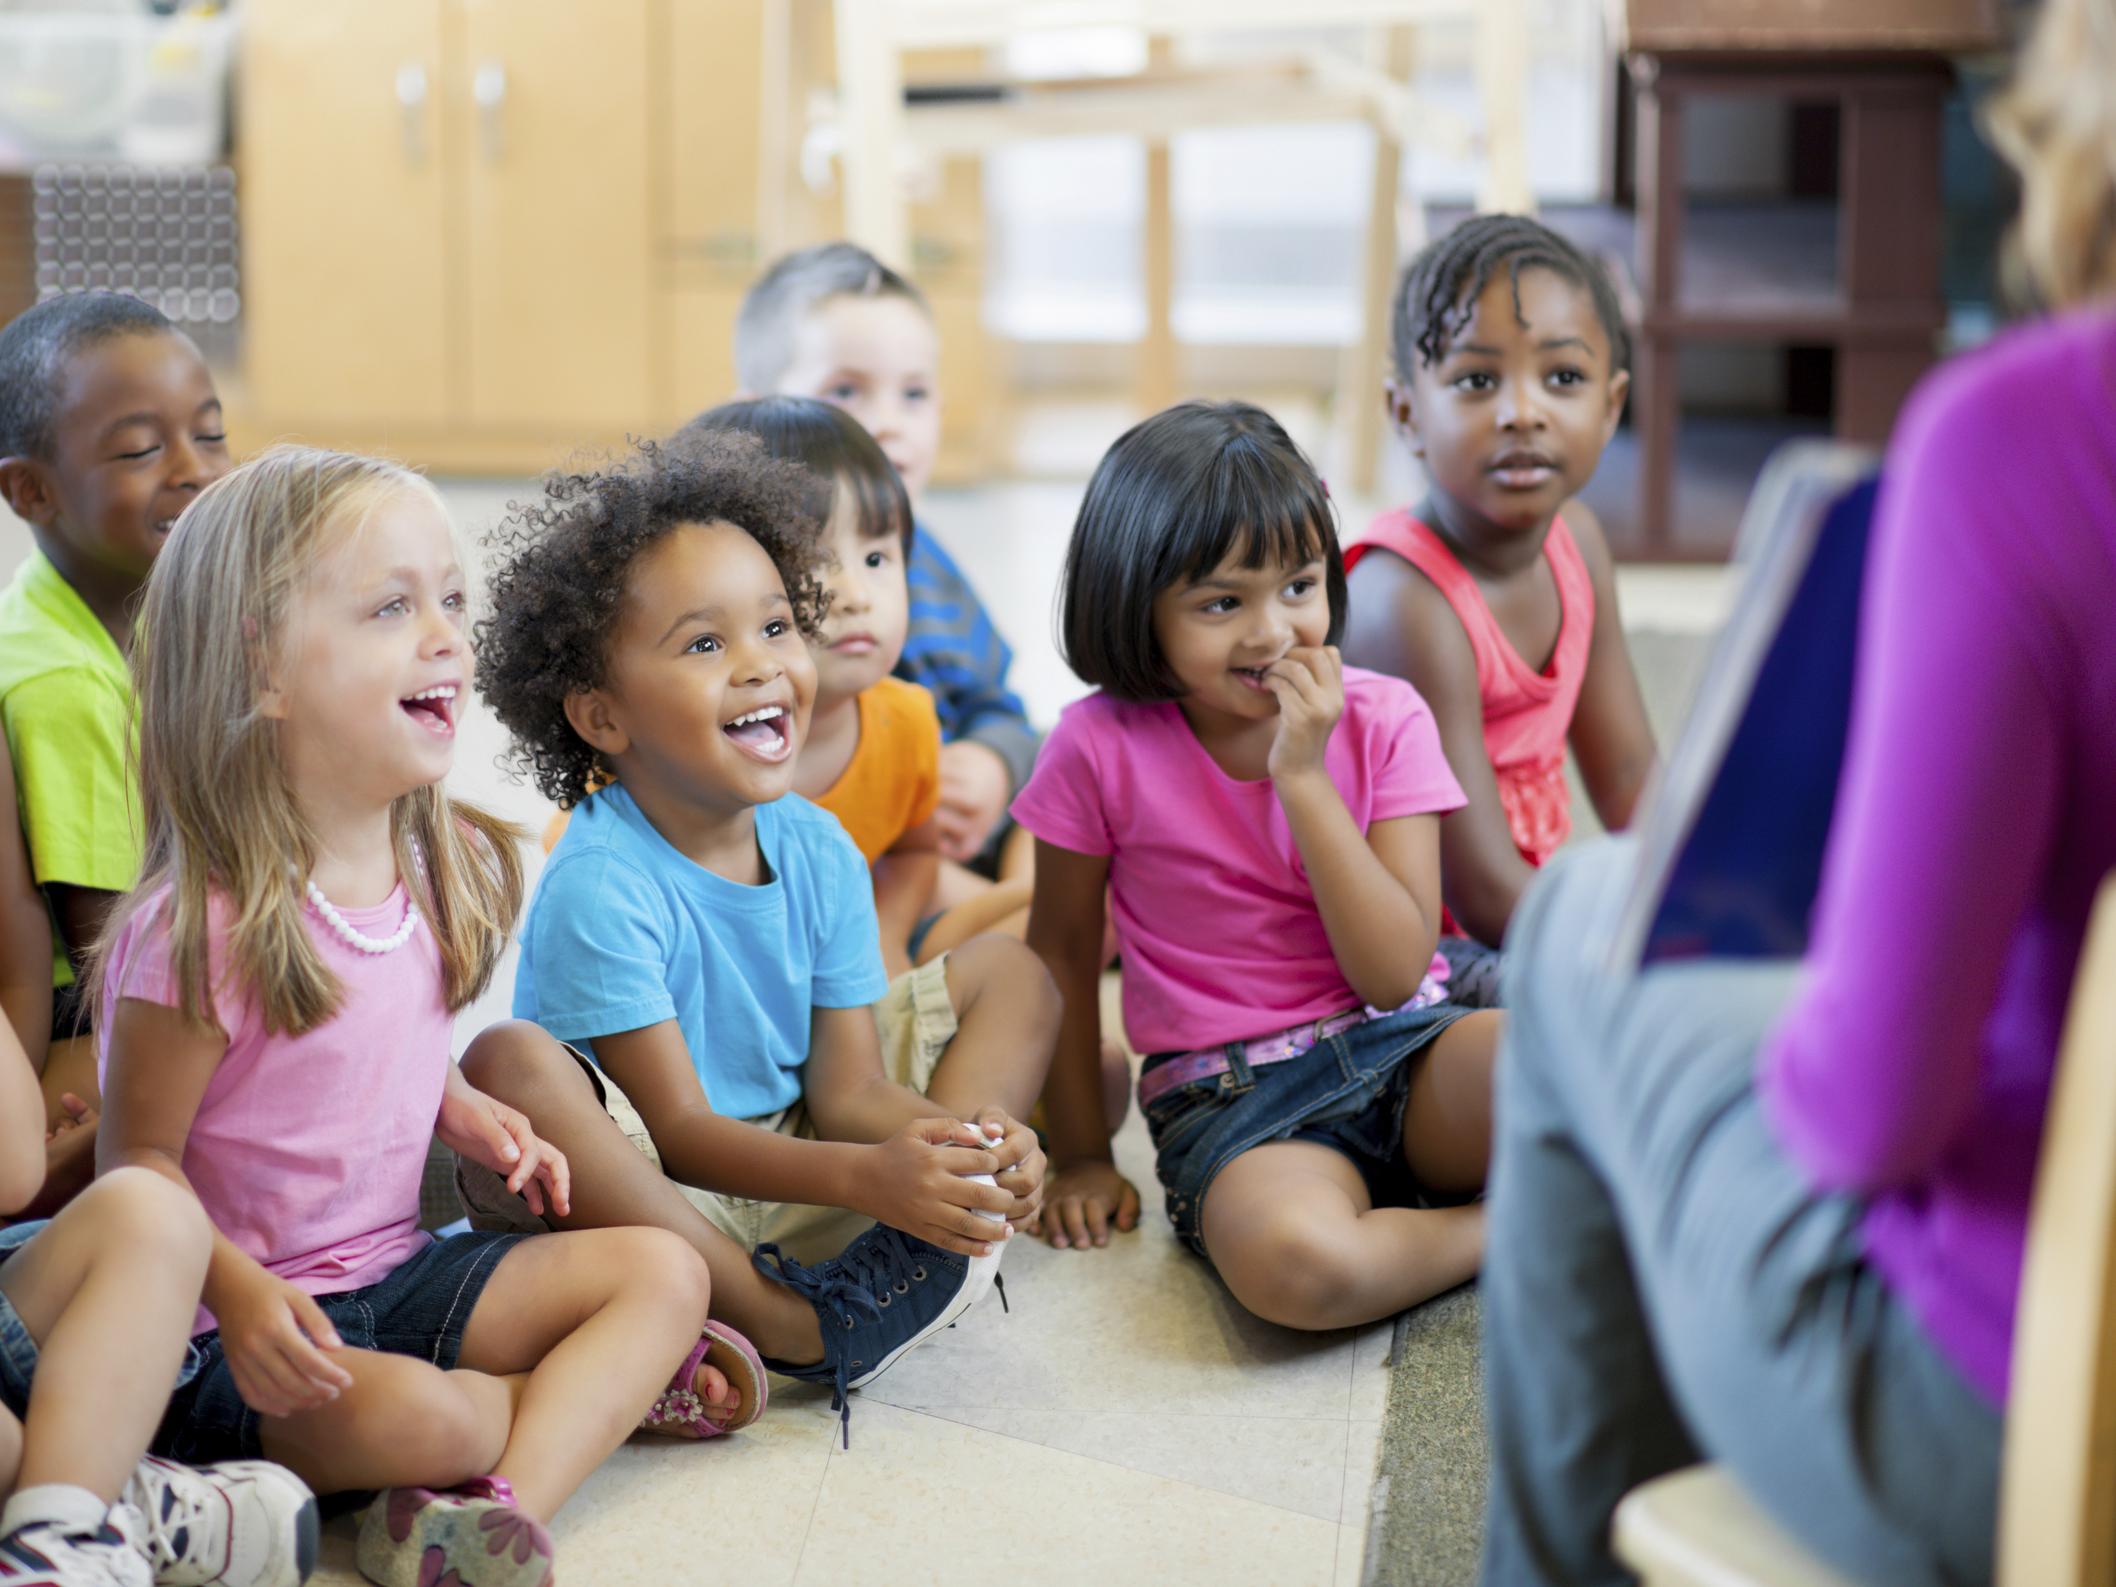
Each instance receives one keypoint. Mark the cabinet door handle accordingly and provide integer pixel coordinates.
(411, 99)
(488, 87)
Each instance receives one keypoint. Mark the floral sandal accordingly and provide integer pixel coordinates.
(467, 1536)
(680, 1413)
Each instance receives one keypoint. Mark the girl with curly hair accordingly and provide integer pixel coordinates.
(745, 1074)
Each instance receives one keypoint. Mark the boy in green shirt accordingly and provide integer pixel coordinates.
(109, 426)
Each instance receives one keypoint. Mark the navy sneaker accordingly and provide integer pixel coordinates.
(881, 1295)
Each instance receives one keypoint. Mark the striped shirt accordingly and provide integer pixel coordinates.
(952, 649)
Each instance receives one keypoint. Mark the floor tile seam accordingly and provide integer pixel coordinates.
(1367, 1507)
(815, 1501)
(1118, 1465)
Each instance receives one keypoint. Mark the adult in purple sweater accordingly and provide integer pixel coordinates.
(1772, 1214)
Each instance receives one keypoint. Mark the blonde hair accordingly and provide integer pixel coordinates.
(2056, 124)
(221, 817)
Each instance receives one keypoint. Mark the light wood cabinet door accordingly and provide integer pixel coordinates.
(345, 264)
(550, 113)
(711, 72)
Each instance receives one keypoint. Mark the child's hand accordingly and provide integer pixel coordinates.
(71, 1145)
(916, 1181)
(276, 1337)
(69, 1159)
(1310, 685)
(974, 784)
(492, 1134)
(1021, 1163)
(1082, 1202)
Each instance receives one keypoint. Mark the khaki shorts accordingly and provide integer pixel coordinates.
(916, 1022)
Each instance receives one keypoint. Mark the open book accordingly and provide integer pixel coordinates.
(1732, 841)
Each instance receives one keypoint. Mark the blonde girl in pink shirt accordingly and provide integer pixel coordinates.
(277, 1001)
(1265, 823)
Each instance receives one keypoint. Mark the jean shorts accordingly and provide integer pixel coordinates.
(1347, 1093)
(421, 1309)
(18, 1351)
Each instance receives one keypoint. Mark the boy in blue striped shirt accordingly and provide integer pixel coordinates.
(834, 322)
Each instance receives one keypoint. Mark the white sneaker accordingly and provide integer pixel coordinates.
(243, 1523)
(47, 1554)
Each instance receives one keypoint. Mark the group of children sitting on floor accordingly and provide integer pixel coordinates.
(821, 930)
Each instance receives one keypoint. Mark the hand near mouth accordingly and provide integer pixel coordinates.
(1310, 684)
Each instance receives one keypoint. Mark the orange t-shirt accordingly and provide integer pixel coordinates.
(892, 782)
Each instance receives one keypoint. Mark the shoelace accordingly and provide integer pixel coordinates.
(847, 1302)
(168, 1526)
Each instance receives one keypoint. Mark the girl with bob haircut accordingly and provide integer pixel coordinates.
(1771, 1213)
(276, 999)
(1265, 822)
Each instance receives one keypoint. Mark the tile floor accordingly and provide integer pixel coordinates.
(1125, 1423)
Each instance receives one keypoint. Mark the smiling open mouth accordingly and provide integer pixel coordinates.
(433, 709)
(1254, 677)
(763, 734)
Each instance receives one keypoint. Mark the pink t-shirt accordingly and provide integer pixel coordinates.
(1221, 937)
(308, 1150)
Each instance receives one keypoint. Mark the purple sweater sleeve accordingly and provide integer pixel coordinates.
(1950, 803)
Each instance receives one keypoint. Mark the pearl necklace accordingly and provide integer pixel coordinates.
(353, 936)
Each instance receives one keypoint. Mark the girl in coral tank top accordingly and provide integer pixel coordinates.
(1511, 369)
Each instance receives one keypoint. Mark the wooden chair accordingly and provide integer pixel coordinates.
(880, 135)
(2057, 1499)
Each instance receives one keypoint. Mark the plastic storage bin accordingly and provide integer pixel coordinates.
(80, 84)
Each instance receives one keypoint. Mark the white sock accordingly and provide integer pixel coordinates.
(61, 1504)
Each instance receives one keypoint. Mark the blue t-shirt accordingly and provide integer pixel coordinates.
(626, 931)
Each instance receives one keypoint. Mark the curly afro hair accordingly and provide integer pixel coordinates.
(563, 565)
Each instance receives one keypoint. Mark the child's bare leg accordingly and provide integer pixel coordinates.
(1294, 1234)
(1006, 1013)
(1003, 908)
(957, 884)
(599, 1320)
(403, 1423)
(615, 1187)
(1447, 1119)
(10, 1449)
(108, 1292)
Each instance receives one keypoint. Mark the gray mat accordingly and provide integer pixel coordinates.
(1427, 1517)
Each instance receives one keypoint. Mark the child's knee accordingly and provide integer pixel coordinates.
(1294, 1274)
(515, 1058)
(137, 1211)
(663, 1265)
(995, 965)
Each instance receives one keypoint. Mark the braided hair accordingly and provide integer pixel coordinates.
(1439, 288)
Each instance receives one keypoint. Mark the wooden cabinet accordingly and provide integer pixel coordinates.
(552, 142)
(483, 235)
(345, 217)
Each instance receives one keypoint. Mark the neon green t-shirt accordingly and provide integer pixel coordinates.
(66, 702)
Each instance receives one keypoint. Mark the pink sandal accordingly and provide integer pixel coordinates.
(680, 1413)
